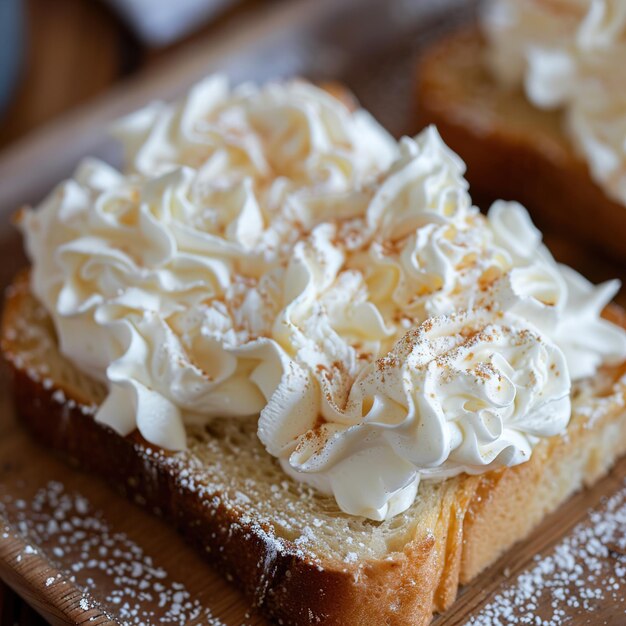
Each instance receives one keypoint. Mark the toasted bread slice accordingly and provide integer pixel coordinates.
(512, 149)
(292, 550)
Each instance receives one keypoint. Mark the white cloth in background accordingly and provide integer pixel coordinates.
(160, 22)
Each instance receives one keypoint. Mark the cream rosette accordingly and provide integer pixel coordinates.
(301, 149)
(458, 394)
(143, 301)
(553, 297)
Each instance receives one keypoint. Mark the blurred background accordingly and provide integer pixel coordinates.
(57, 55)
(70, 67)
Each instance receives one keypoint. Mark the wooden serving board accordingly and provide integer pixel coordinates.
(80, 553)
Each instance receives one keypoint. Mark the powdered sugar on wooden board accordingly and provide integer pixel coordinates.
(586, 569)
(79, 541)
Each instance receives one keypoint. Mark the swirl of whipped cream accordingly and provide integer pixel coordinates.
(295, 141)
(569, 55)
(143, 302)
(267, 248)
(462, 393)
(553, 297)
(427, 243)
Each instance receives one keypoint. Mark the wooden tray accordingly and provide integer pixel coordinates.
(78, 552)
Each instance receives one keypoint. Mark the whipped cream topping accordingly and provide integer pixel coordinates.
(269, 253)
(460, 393)
(569, 55)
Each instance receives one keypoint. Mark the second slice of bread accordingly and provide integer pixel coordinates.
(299, 558)
(512, 149)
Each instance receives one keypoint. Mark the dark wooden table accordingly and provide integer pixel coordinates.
(13, 610)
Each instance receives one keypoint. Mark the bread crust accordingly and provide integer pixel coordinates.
(470, 527)
(513, 150)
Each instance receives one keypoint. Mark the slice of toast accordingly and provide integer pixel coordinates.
(512, 149)
(298, 557)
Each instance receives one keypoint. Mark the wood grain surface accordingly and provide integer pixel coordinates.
(77, 551)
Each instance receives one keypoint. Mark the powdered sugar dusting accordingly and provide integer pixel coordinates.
(585, 571)
(80, 541)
